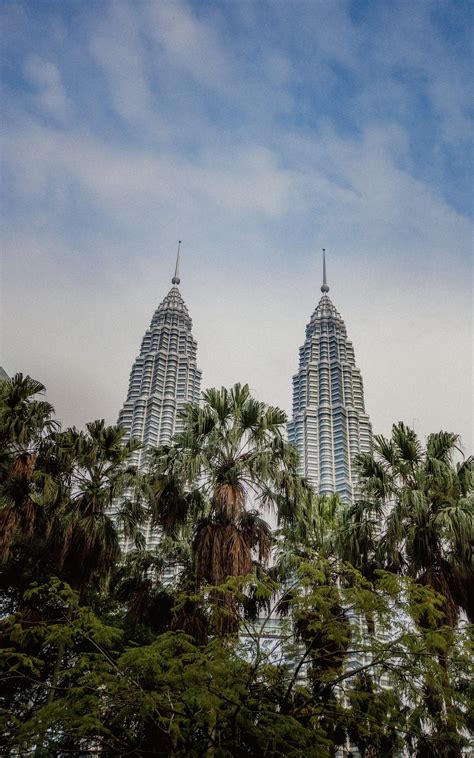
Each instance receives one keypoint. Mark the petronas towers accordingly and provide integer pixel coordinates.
(329, 424)
(164, 377)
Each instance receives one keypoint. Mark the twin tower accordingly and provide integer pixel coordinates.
(329, 426)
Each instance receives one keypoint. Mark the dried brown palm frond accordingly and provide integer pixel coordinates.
(85, 548)
(217, 568)
(59, 539)
(238, 552)
(169, 504)
(8, 525)
(28, 517)
(139, 601)
(192, 620)
(23, 466)
(263, 546)
(439, 579)
(225, 616)
(203, 547)
(31, 613)
(222, 550)
(258, 534)
(14, 520)
(461, 582)
(66, 544)
(229, 500)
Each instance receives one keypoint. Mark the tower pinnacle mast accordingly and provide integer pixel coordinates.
(324, 287)
(330, 426)
(176, 280)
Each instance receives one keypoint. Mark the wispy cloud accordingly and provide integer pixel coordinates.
(258, 133)
(189, 44)
(117, 46)
(49, 93)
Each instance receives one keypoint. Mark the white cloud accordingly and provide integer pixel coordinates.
(50, 95)
(130, 181)
(250, 294)
(118, 48)
(190, 44)
(96, 210)
(409, 45)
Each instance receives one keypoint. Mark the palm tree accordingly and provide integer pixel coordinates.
(314, 533)
(135, 584)
(85, 531)
(416, 516)
(58, 489)
(25, 422)
(229, 462)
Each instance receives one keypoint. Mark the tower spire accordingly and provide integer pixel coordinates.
(324, 287)
(176, 279)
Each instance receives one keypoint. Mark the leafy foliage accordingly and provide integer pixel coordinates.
(229, 462)
(245, 696)
(102, 652)
(417, 515)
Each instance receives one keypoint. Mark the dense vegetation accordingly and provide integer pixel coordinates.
(344, 626)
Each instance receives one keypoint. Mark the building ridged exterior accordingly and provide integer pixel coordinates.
(163, 379)
(329, 426)
(164, 376)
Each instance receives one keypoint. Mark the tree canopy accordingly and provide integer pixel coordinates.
(332, 631)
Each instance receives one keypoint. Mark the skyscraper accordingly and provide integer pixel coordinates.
(329, 425)
(164, 376)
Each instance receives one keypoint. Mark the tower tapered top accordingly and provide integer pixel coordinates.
(176, 279)
(324, 287)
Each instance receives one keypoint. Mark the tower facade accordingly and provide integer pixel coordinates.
(164, 376)
(329, 426)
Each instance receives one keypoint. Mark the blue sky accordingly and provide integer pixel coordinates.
(258, 133)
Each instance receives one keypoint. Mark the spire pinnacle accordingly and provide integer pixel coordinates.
(176, 279)
(324, 287)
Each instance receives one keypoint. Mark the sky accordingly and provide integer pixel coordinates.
(257, 133)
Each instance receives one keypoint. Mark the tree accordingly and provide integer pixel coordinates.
(57, 491)
(229, 461)
(24, 424)
(416, 515)
(84, 535)
(232, 696)
(97, 654)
